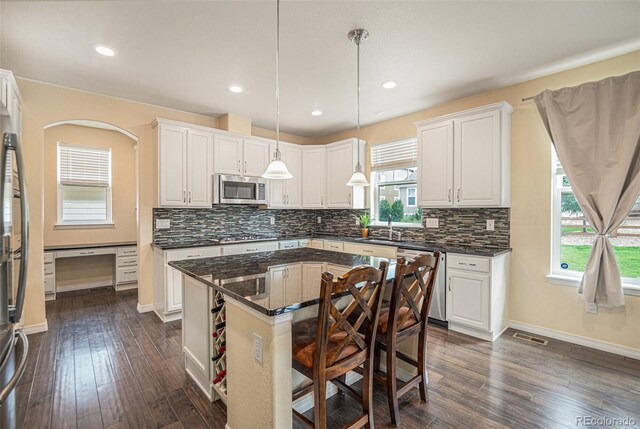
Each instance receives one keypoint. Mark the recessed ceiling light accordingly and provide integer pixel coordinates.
(389, 84)
(105, 50)
(235, 88)
(316, 112)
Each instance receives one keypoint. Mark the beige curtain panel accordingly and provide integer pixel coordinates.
(595, 128)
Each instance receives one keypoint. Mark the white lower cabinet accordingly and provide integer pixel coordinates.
(238, 249)
(477, 294)
(369, 250)
(167, 281)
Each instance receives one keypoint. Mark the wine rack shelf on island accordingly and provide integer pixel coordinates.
(218, 320)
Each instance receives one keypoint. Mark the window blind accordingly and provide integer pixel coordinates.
(84, 166)
(399, 154)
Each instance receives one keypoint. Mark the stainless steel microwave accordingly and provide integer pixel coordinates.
(239, 190)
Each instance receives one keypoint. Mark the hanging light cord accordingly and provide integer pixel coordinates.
(358, 166)
(277, 154)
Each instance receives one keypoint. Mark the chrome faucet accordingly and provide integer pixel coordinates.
(390, 228)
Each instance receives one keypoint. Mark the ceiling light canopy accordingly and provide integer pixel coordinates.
(358, 36)
(236, 88)
(105, 50)
(316, 112)
(389, 84)
(277, 169)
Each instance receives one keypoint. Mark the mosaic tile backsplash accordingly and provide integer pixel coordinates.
(456, 226)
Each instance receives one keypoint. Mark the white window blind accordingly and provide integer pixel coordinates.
(394, 155)
(84, 166)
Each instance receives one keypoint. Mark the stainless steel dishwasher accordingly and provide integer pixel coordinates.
(438, 309)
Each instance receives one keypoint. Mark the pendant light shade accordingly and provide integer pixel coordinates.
(277, 170)
(358, 36)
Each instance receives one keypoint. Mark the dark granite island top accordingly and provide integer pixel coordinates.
(248, 277)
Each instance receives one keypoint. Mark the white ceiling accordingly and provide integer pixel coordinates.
(185, 54)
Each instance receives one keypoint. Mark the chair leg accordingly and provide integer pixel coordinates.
(422, 366)
(377, 354)
(392, 387)
(342, 378)
(367, 392)
(320, 404)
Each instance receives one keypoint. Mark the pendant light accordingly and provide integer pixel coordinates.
(358, 36)
(277, 168)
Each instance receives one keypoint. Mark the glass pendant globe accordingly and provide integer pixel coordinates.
(277, 170)
(358, 179)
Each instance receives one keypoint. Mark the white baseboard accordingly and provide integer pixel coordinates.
(125, 286)
(144, 308)
(81, 286)
(577, 339)
(34, 329)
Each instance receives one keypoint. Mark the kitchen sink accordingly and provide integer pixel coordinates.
(377, 241)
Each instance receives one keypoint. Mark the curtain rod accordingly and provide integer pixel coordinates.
(527, 98)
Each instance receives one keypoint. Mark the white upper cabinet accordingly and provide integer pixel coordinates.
(185, 164)
(435, 164)
(287, 193)
(10, 103)
(314, 161)
(464, 158)
(172, 165)
(199, 168)
(227, 157)
(256, 157)
(341, 161)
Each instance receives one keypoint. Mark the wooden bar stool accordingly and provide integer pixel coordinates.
(405, 317)
(326, 348)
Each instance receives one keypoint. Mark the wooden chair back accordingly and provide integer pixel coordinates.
(412, 288)
(334, 323)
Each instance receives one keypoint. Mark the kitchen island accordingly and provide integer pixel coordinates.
(237, 317)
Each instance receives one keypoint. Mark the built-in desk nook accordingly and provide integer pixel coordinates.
(122, 259)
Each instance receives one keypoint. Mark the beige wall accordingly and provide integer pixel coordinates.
(533, 300)
(124, 189)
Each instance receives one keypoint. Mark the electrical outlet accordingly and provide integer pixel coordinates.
(257, 348)
(272, 220)
(357, 222)
(592, 307)
(432, 222)
(491, 225)
(319, 219)
(163, 223)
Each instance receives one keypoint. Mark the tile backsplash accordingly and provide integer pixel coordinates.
(456, 226)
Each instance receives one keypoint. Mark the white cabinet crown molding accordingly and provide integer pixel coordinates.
(502, 105)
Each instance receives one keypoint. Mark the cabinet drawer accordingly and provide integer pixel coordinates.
(127, 251)
(49, 269)
(236, 249)
(126, 275)
(335, 246)
(366, 250)
(49, 283)
(124, 261)
(304, 243)
(194, 253)
(85, 252)
(316, 244)
(48, 258)
(469, 263)
(292, 244)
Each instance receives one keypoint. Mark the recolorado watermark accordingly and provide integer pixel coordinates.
(605, 421)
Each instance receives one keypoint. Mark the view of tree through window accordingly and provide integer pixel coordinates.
(577, 236)
(396, 195)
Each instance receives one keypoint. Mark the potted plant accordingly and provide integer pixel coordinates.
(364, 220)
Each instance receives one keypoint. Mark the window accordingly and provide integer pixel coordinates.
(573, 237)
(394, 183)
(84, 185)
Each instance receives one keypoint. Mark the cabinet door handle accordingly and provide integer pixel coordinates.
(189, 197)
(449, 195)
(458, 194)
(86, 253)
(194, 256)
(449, 283)
(253, 249)
(350, 203)
(321, 200)
(184, 196)
(238, 166)
(129, 272)
(245, 166)
(367, 251)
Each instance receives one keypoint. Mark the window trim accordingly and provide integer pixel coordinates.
(375, 195)
(631, 286)
(62, 224)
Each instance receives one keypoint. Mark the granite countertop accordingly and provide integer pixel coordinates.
(88, 246)
(475, 250)
(247, 277)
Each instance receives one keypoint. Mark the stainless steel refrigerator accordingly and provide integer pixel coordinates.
(14, 235)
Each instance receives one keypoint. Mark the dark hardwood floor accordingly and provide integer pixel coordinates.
(102, 364)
